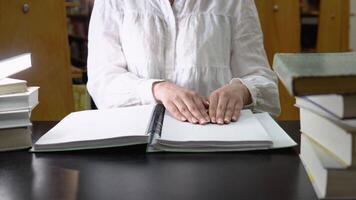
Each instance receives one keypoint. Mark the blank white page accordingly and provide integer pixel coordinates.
(247, 128)
(279, 137)
(100, 124)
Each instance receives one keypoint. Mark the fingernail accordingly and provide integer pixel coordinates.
(226, 120)
(195, 121)
(213, 120)
(234, 118)
(202, 122)
(220, 121)
(183, 119)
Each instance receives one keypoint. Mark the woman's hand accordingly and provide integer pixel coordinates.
(227, 101)
(183, 104)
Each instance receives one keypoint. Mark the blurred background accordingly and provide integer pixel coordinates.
(55, 32)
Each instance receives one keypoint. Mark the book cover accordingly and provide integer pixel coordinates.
(13, 65)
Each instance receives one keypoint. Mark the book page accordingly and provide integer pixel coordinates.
(100, 124)
(279, 137)
(247, 128)
(11, 81)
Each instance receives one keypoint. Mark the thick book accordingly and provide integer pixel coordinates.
(15, 139)
(347, 124)
(153, 126)
(337, 140)
(10, 86)
(341, 106)
(13, 65)
(329, 177)
(19, 101)
(317, 73)
(14, 119)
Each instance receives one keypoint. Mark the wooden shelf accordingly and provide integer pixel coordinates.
(79, 16)
(78, 62)
(314, 13)
(77, 73)
(78, 38)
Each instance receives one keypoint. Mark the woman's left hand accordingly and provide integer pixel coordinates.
(227, 101)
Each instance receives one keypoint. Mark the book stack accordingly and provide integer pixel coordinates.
(325, 86)
(16, 103)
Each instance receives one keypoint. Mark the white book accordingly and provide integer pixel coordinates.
(329, 177)
(19, 101)
(14, 139)
(14, 119)
(246, 134)
(13, 65)
(333, 137)
(143, 125)
(10, 86)
(347, 124)
(341, 106)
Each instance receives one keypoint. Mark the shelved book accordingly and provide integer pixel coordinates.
(153, 126)
(317, 73)
(330, 178)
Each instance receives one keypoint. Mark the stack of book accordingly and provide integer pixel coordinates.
(16, 103)
(325, 86)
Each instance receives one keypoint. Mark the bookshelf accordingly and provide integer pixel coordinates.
(325, 25)
(78, 17)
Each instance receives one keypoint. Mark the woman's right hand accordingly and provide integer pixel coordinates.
(183, 104)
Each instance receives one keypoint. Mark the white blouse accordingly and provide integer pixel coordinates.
(197, 44)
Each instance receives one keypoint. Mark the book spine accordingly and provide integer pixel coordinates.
(156, 123)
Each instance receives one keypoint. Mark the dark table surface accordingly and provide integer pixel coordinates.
(130, 173)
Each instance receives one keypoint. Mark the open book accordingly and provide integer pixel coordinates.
(153, 126)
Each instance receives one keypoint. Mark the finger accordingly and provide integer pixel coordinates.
(175, 112)
(200, 103)
(221, 109)
(205, 102)
(182, 107)
(230, 109)
(194, 109)
(213, 101)
(236, 114)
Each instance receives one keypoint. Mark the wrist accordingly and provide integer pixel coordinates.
(246, 97)
(156, 88)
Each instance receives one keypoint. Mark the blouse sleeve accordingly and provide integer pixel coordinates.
(249, 63)
(109, 82)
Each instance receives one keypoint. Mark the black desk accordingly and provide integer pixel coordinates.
(129, 173)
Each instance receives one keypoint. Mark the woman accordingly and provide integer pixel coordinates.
(203, 59)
